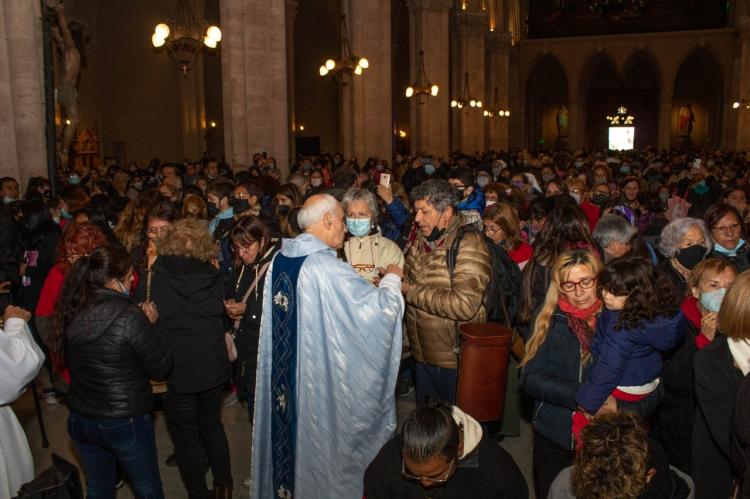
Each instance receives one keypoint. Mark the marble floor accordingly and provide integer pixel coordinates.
(238, 433)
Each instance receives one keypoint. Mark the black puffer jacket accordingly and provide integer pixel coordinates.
(112, 350)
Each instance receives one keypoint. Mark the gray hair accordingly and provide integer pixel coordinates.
(674, 231)
(354, 194)
(314, 212)
(613, 228)
(437, 193)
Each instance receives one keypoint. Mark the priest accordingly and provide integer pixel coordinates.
(330, 347)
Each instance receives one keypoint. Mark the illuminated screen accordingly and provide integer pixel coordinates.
(621, 138)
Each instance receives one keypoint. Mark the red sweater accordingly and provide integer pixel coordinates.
(592, 214)
(50, 292)
(522, 253)
(692, 312)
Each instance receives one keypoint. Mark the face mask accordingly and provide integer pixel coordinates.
(213, 210)
(663, 196)
(358, 227)
(65, 214)
(600, 180)
(711, 300)
(701, 188)
(729, 252)
(74, 180)
(8, 200)
(691, 256)
(429, 170)
(599, 199)
(624, 169)
(496, 171)
(283, 210)
(547, 178)
(518, 185)
(576, 196)
(490, 203)
(124, 291)
(436, 233)
(306, 166)
(240, 205)
(379, 167)
(578, 163)
(316, 182)
(482, 181)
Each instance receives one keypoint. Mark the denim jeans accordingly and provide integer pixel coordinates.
(102, 443)
(434, 381)
(194, 420)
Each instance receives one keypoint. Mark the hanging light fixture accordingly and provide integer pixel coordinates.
(421, 86)
(495, 111)
(622, 118)
(184, 36)
(466, 99)
(347, 64)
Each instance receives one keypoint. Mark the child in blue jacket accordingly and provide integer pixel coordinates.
(642, 318)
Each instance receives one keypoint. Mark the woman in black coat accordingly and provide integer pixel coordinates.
(719, 370)
(253, 250)
(112, 349)
(189, 291)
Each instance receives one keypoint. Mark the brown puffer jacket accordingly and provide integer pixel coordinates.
(437, 305)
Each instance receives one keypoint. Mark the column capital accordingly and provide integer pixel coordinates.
(429, 5)
(471, 23)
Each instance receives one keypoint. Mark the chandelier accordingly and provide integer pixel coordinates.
(622, 118)
(184, 36)
(617, 8)
(741, 103)
(495, 111)
(348, 63)
(465, 99)
(421, 86)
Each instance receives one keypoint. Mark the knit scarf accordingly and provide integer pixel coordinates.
(580, 321)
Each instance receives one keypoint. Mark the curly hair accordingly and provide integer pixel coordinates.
(613, 461)
(437, 193)
(674, 231)
(650, 292)
(188, 238)
(79, 239)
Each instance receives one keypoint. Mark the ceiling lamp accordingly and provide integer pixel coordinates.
(741, 103)
(495, 111)
(349, 63)
(465, 99)
(421, 86)
(184, 36)
(622, 118)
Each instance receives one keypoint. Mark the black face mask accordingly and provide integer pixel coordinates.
(599, 199)
(240, 205)
(283, 210)
(691, 256)
(435, 234)
(213, 210)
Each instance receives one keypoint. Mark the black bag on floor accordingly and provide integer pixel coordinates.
(59, 481)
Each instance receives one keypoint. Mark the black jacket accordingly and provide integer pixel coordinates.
(39, 256)
(741, 440)
(488, 472)
(717, 382)
(189, 295)
(112, 350)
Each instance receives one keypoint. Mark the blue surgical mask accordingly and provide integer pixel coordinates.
(429, 169)
(547, 178)
(729, 252)
(664, 196)
(711, 300)
(483, 181)
(124, 291)
(74, 180)
(65, 213)
(358, 227)
(624, 169)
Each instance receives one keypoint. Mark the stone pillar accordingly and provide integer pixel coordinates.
(430, 116)
(742, 116)
(254, 80)
(469, 27)
(22, 131)
(366, 108)
(498, 75)
(665, 119)
(291, 14)
(193, 106)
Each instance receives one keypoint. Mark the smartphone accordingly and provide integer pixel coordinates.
(385, 180)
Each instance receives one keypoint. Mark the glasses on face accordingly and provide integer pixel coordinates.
(409, 476)
(491, 230)
(157, 231)
(238, 247)
(728, 229)
(585, 283)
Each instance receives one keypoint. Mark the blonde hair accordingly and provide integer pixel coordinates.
(734, 315)
(560, 270)
(707, 268)
(130, 224)
(188, 238)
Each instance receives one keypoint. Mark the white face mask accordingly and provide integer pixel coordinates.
(576, 196)
(316, 182)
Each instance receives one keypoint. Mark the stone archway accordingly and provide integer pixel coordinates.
(697, 101)
(641, 95)
(546, 96)
(602, 93)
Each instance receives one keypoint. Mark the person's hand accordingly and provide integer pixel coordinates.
(234, 310)
(404, 287)
(608, 407)
(13, 312)
(708, 325)
(5, 287)
(149, 308)
(392, 269)
(385, 193)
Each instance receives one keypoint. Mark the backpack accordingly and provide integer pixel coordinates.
(502, 298)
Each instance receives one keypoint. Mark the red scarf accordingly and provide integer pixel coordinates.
(581, 321)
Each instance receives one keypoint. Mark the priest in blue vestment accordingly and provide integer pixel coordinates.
(330, 347)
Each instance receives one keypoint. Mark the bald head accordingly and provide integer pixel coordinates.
(323, 217)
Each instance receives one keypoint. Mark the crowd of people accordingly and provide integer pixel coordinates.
(316, 297)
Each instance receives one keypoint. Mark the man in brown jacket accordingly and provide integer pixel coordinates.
(437, 303)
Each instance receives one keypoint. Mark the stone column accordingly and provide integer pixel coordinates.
(498, 75)
(470, 27)
(742, 116)
(254, 80)
(366, 103)
(665, 119)
(22, 132)
(291, 14)
(430, 116)
(193, 106)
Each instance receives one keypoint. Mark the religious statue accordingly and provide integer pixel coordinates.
(67, 83)
(563, 122)
(686, 118)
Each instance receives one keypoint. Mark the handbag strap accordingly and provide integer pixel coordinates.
(148, 285)
(252, 288)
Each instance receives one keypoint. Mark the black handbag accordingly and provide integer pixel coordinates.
(59, 481)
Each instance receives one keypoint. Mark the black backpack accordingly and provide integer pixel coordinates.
(502, 298)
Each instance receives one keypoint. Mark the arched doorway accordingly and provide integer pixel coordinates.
(546, 97)
(696, 101)
(603, 93)
(641, 95)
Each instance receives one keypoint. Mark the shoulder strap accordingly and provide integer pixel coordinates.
(452, 254)
(148, 285)
(252, 288)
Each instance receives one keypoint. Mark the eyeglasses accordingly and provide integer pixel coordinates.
(585, 283)
(728, 229)
(409, 476)
(246, 247)
(491, 230)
